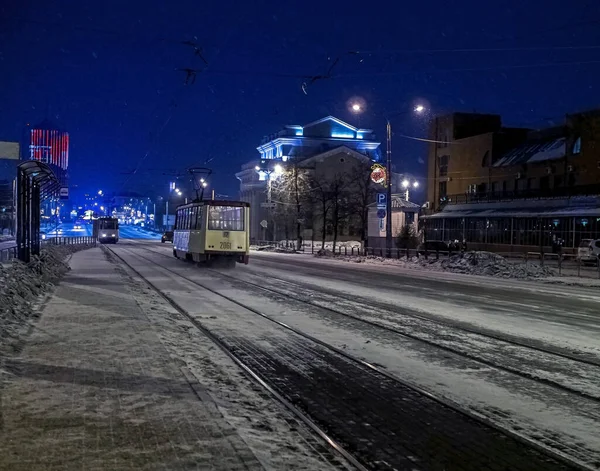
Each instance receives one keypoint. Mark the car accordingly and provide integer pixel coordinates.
(167, 237)
(589, 251)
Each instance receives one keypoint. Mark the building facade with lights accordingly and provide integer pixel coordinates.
(514, 189)
(49, 144)
(326, 145)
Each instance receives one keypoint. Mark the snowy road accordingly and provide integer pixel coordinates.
(522, 356)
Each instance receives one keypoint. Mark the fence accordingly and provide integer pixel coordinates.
(9, 253)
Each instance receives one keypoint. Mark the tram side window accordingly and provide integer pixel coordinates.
(225, 218)
(197, 218)
(187, 218)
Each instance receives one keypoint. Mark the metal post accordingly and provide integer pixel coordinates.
(388, 203)
(35, 219)
(167, 214)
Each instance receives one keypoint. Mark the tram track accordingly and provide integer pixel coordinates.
(515, 349)
(369, 367)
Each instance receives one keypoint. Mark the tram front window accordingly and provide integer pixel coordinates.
(225, 218)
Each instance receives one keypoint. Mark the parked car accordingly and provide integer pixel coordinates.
(167, 237)
(433, 246)
(589, 251)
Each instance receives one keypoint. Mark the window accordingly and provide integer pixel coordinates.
(225, 218)
(410, 218)
(443, 164)
(443, 189)
(485, 162)
(545, 183)
(197, 218)
(577, 146)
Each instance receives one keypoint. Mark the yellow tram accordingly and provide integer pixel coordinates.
(213, 230)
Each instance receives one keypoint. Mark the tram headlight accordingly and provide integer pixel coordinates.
(103, 235)
(113, 235)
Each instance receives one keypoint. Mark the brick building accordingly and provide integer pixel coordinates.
(513, 189)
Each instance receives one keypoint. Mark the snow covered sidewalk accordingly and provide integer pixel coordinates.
(96, 389)
(114, 378)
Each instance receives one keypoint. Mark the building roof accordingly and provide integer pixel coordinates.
(399, 202)
(549, 207)
(549, 149)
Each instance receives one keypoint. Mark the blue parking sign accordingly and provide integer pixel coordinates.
(381, 198)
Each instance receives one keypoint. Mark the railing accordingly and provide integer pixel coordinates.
(9, 253)
(77, 240)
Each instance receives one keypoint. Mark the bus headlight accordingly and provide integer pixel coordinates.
(103, 235)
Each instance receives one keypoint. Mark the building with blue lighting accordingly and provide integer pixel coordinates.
(325, 139)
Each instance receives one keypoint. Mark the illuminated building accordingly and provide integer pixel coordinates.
(326, 146)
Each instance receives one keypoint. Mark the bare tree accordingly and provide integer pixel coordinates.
(291, 194)
(331, 197)
(362, 196)
(339, 193)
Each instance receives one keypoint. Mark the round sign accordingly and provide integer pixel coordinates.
(381, 213)
(378, 174)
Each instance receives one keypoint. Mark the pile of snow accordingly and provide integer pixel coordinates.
(6, 238)
(21, 284)
(272, 248)
(491, 264)
(470, 263)
(317, 245)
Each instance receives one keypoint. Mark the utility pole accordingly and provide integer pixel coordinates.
(388, 203)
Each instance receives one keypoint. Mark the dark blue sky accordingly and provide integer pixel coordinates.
(108, 75)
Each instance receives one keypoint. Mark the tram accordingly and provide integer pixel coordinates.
(106, 230)
(213, 231)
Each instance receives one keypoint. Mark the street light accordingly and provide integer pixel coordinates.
(419, 109)
(406, 184)
(356, 107)
(276, 169)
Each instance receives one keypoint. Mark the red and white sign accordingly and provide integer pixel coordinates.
(378, 174)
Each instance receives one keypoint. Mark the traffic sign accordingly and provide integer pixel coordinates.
(381, 225)
(381, 198)
(64, 193)
(263, 224)
(381, 213)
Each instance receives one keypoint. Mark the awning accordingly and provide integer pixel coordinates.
(584, 211)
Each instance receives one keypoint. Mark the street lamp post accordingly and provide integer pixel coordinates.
(277, 169)
(388, 202)
(388, 225)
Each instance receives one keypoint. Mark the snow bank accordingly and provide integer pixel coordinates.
(6, 238)
(470, 263)
(21, 284)
(272, 248)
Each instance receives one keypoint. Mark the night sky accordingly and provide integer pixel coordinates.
(109, 76)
